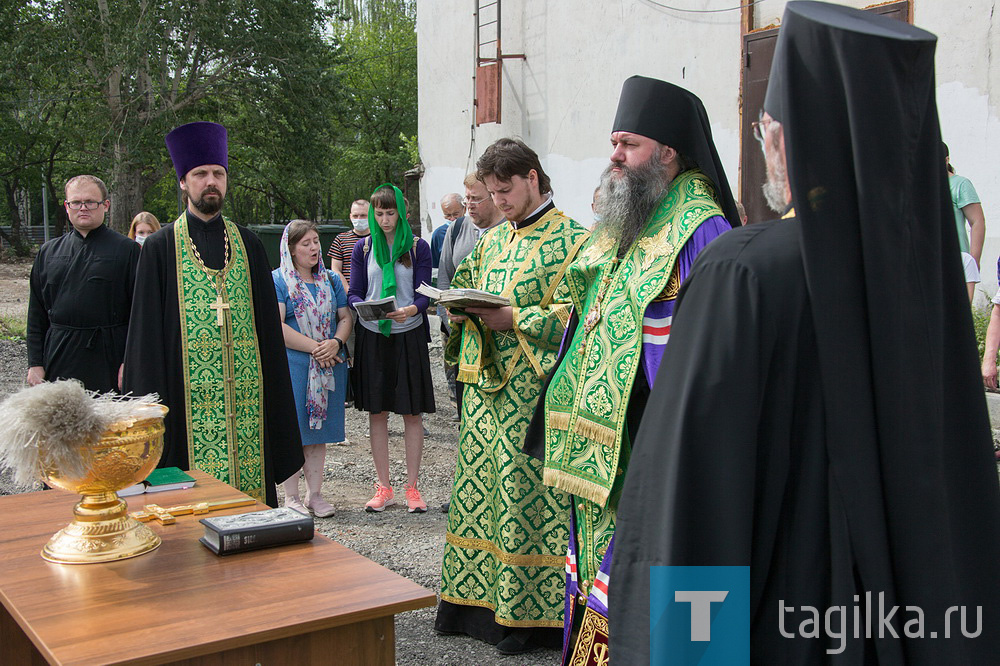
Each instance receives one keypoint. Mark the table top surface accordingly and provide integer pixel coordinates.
(181, 600)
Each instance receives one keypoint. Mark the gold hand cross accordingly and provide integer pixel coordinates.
(167, 516)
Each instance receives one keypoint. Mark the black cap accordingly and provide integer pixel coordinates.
(829, 20)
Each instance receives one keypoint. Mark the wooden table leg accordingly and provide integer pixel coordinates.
(15, 646)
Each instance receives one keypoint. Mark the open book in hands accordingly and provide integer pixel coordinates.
(376, 310)
(463, 298)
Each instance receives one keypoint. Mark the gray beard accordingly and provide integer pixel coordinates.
(774, 188)
(626, 202)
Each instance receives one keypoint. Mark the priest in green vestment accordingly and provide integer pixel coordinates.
(502, 576)
(205, 333)
(662, 199)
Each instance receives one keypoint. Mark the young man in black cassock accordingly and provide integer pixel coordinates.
(205, 333)
(852, 455)
(81, 295)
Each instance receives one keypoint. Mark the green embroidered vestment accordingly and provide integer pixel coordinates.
(586, 401)
(220, 357)
(507, 532)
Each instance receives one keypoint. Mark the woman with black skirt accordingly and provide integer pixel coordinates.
(392, 371)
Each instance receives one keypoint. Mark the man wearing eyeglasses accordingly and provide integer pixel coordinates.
(453, 210)
(458, 243)
(81, 295)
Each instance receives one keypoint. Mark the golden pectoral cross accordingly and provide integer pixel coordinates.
(219, 305)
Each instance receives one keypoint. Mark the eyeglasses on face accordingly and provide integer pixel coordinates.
(85, 205)
(760, 128)
(473, 202)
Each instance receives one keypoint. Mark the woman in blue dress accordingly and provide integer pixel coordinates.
(315, 322)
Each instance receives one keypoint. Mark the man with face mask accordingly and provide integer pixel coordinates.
(340, 263)
(662, 199)
(342, 246)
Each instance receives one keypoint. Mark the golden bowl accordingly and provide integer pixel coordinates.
(102, 530)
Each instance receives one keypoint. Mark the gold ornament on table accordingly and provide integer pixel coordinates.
(94, 445)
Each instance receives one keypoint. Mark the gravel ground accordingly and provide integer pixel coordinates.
(409, 544)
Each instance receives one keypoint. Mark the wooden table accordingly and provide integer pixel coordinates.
(310, 603)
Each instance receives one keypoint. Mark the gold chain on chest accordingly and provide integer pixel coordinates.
(211, 272)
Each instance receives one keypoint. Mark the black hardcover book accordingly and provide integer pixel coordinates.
(225, 535)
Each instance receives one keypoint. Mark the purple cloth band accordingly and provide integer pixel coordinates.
(709, 230)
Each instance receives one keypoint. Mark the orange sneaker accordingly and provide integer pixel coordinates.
(414, 503)
(383, 498)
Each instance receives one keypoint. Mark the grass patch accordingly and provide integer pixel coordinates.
(12, 328)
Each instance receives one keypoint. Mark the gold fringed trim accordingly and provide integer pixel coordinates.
(501, 620)
(507, 558)
(558, 420)
(597, 432)
(468, 374)
(574, 485)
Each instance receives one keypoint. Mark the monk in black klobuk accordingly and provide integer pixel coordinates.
(852, 452)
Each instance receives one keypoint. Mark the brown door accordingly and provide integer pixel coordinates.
(758, 51)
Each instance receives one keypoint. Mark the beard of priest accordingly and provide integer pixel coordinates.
(628, 195)
(205, 333)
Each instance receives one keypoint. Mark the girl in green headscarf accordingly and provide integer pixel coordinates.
(392, 370)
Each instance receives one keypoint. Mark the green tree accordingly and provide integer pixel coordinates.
(28, 111)
(319, 99)
(379, 75)
(133, 69)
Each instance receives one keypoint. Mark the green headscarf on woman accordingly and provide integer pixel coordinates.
(385, 256)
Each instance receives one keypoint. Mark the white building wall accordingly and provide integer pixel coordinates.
(561, 100)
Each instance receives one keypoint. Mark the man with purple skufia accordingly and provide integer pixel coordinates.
(205, 333)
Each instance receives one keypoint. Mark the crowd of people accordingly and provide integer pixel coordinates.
(796, 397)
